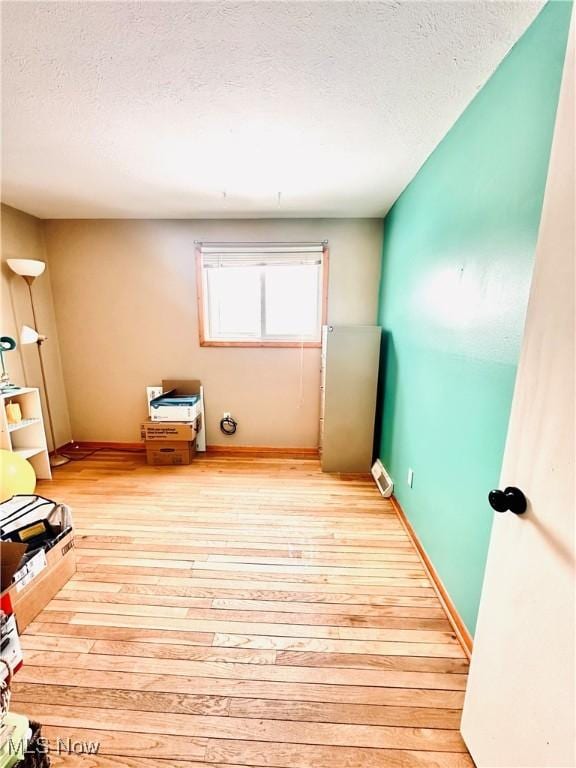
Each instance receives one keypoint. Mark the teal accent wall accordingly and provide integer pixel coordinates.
(456, 268)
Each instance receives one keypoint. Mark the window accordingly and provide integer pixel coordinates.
(261, 294)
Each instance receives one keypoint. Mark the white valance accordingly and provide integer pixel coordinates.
(260, 254)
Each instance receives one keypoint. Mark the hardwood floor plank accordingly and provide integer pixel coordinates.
(270, 623)
(402, 644)
(139, 583)
(353, 616)
(359, 611)
(123, 761)
(129, 743)
(115, 640)
(125, 609)
(218, 585)
(156, 541)
(280, 755)
(102, 632)
(147, 701)
(398, 545)
(391, 648)
(379, 564)
(413, 717)
(323, 692)
(155, 566)
(247, 729)
(150, 650)
(372, 661)
(227, 670)
(102, 596)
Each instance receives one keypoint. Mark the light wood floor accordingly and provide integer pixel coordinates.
(242, 612)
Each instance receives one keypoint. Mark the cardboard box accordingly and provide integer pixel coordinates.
(173, 431)
(30, 598)
(182, 387)
(170, 453)
(11, 555)
(34, 520)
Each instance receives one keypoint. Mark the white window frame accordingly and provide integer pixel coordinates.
(264, 340)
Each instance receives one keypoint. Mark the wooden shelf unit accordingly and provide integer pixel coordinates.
(27, 437)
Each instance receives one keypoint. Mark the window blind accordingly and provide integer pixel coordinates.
(260, 255)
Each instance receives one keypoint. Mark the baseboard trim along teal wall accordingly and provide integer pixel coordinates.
(457, 262)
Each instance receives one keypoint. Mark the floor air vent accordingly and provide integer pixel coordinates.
(382, 478)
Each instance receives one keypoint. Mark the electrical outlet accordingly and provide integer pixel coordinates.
(410, 478)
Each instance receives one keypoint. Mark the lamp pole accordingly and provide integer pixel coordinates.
(56, 459)
(30, 269)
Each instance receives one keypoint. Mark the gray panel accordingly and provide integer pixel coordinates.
(351, 356)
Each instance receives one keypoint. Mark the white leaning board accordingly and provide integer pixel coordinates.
(156, 391)
(350, 359)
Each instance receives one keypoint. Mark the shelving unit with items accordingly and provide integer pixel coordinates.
(26, 437)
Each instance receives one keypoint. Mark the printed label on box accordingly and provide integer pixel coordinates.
(32, 568)
(67, 547)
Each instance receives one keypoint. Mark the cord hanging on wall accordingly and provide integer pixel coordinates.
(228, 425)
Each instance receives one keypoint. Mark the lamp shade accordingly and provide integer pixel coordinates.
(28, 335)
(27, 267)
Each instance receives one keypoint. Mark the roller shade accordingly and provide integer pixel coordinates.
(260, 255)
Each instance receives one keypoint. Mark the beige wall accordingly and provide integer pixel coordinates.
(23, 238)
(126, 311)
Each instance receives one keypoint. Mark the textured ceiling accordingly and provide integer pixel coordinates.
(223, 109)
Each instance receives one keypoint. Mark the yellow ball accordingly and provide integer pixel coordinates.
(16, 475)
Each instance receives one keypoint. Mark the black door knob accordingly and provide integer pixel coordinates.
(510, 498)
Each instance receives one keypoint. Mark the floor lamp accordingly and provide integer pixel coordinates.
(30, 269)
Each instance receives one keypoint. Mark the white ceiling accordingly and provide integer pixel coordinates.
(210, 109)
